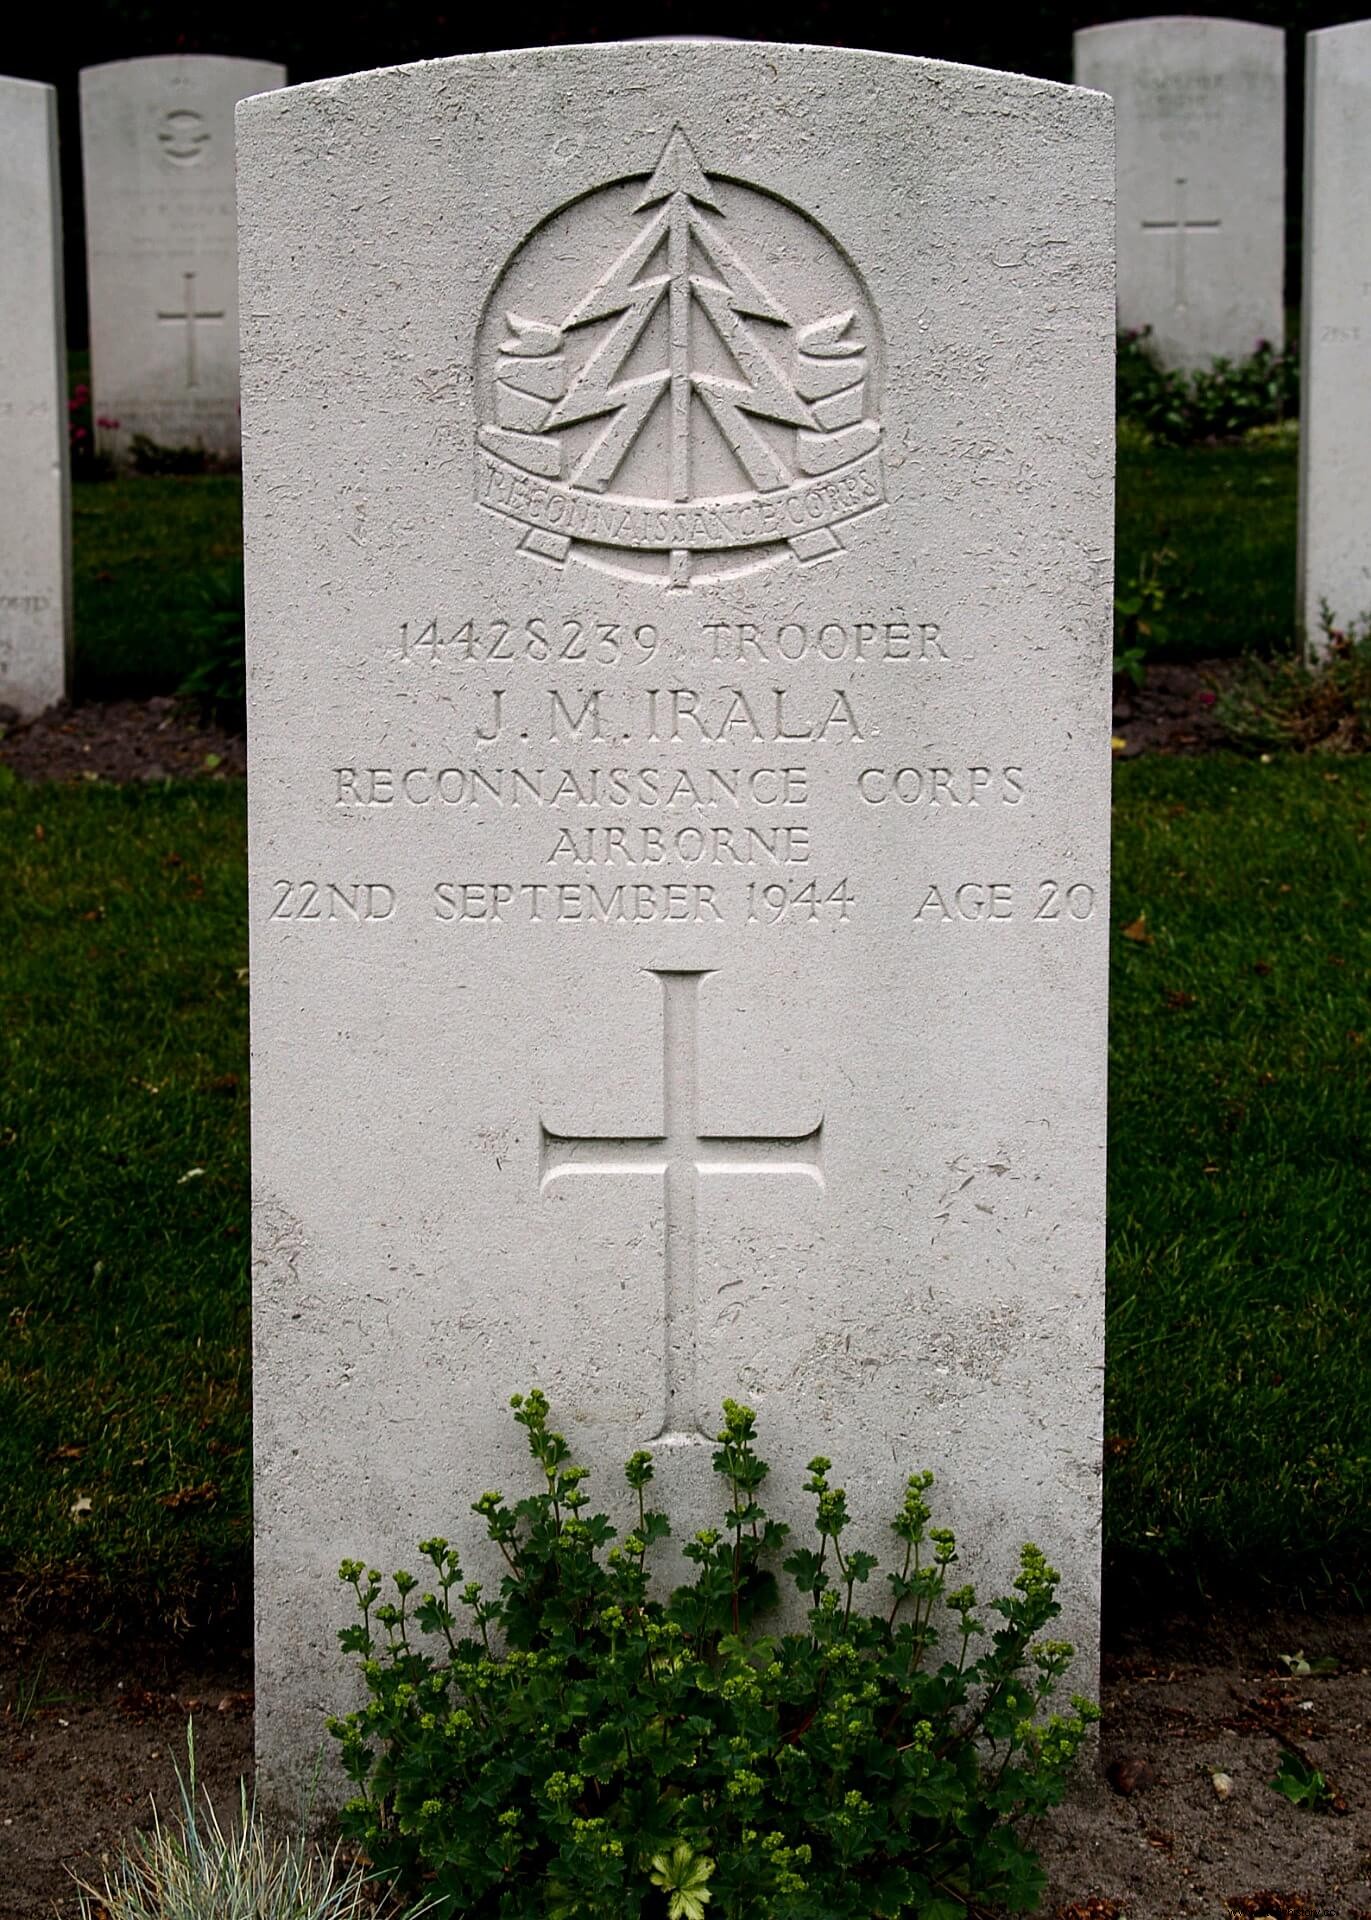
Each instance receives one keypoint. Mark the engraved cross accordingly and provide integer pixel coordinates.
(680, 1155)
(190, 315)
(1179, 228)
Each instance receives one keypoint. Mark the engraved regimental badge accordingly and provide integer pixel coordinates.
(677, 377)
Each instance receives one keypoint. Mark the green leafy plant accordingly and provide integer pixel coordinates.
(1306, 1666)
(215, 620)
(1322, 707)
(1138, 609)
(196, 1868)
(683, 1876)
(1224, 401)
(1302, 1784)
(572, 1747)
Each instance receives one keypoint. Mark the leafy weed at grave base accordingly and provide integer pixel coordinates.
(1301, 1784)
(1313, 709)
(573, 1747)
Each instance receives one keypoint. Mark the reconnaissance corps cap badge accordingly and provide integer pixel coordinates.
(678, 381)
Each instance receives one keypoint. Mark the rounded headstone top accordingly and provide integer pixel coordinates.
(220, 76)
(768, 55)
(1196, 27)
(1349, 31)
(162, 63)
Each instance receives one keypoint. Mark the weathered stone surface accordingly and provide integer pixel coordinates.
(1201, 179)
(679, 547)
(1335, 424)
(157, 152)
(35, 551)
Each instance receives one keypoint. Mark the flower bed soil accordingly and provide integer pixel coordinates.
(105, 1719)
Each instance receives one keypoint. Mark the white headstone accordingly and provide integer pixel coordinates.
(679, 547)
(1201, 179)
(157, 153)
(35, 541)
(1335, 413)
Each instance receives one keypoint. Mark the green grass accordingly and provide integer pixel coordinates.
(123, 1197)
(1240, 1177)
(153, 557)
(1240, 1292)
(1228, 516)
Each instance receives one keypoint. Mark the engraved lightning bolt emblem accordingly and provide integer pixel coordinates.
(679, 379)
(702, 267)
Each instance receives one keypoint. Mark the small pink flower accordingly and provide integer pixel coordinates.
(1207, 699)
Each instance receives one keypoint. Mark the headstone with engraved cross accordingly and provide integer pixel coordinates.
(35, 546)
(1200, 108)
(679, 628)
(161, 247)
(1335, 425)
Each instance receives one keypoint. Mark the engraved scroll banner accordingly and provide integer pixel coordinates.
(557, 515)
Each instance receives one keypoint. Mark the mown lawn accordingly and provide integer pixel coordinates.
(124, 1385)
(1240, 1292)
(1239, 1413)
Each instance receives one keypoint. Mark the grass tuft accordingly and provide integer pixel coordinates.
(196, 1868)
(1289, 703)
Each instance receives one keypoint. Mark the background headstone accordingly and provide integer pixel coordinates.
(1335, 413)
(157, 153)
(1200, 108)
(679, 546)
(35, 541)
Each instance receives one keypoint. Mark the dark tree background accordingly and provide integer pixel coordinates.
(52, 43)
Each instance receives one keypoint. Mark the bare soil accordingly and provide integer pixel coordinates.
(1154, 1838)
(90, 1729)
(91, 1726)
(1174, 711)
(129, 740)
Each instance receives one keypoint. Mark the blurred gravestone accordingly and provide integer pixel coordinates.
(35, 554)
(157, 153)
(1200, 108)
(1335, 426)
(679, 554)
